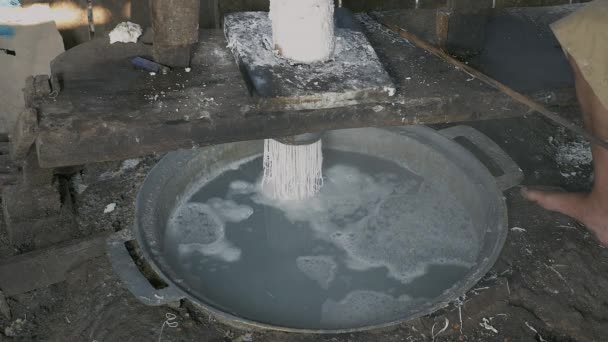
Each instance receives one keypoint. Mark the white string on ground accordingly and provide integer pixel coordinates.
(459, 302)
(445, 327)
(485, 323)
(171, 322)
(292, 172)
(540, 338)
(560, 276)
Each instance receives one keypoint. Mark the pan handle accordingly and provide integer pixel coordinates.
(513, 175)
(124, 267)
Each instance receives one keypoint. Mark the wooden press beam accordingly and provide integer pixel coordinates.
(117, 112)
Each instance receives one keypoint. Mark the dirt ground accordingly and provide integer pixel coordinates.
(550, 283)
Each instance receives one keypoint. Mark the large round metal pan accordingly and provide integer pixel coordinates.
(421, 150)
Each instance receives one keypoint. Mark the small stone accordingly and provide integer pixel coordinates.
(176, 305)
(188, 69)
(15, 328)
(109, 208)
(152, 73)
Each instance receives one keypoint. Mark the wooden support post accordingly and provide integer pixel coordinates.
(176, 26)
(442, 26)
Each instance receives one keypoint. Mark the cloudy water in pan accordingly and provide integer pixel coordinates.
(376, 242)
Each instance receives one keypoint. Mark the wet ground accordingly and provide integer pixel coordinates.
(549, 284)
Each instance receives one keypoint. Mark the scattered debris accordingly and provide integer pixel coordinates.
(459, 303)
(574, 154)
(152, 73)
(480, 289)
(125, 32)
(486, 325)
(248, 337)
(126, 165)
(77, 184)
(15, 328)
(5, 310)
(188, 69)
(518, 229)
(445, 327)
(560, 277)
(129, 164)
(540, 338)
(109, 208)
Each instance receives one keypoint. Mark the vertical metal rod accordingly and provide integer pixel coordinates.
(90, 19)
(216, 14)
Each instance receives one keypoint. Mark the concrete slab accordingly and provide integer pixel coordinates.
(353, 76)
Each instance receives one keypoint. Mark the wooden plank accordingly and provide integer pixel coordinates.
(515, 95)
(123, 113)
(42, 268)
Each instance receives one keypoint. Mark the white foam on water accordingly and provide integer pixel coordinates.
(229, 210)
(358, 306)
(241, 186)
(381, 222)
(222, 250)
(201, 227)
(196, 223)
(322, 269)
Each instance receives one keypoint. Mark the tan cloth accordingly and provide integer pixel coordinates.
(584, 36)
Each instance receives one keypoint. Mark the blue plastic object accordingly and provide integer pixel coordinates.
(4, 29)
(149, 65)
(9, 3)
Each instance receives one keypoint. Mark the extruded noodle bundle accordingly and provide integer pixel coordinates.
(292, 172)
(303, 31)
